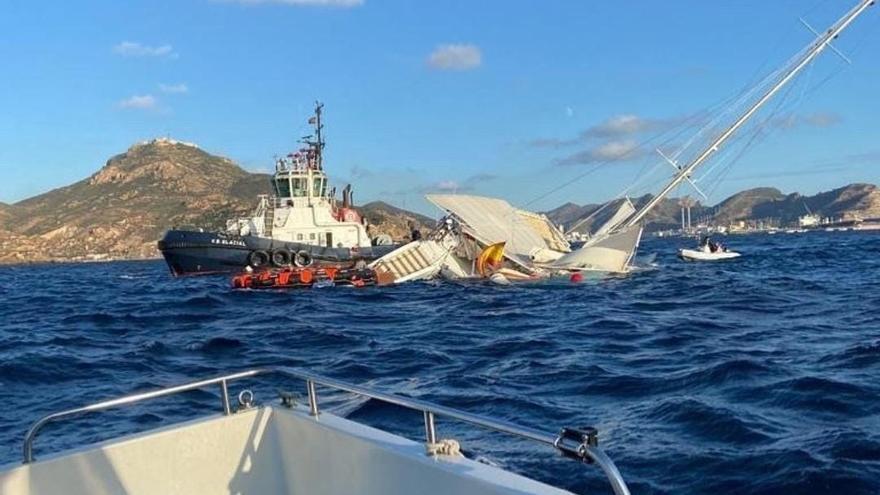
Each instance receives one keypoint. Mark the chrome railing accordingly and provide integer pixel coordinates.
(585, 447)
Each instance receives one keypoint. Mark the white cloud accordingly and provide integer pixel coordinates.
(616, 127)
(174, 88)
(133, 49)
(139, 102)
(358, 172)
(303, 3)
(447, 185)
(455, 57)
(628, 124)
(817, 119)
(612, 151)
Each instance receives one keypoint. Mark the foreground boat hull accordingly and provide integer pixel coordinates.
(264, 450)
(191, 252)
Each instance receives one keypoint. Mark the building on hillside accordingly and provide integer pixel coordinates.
(810, 220)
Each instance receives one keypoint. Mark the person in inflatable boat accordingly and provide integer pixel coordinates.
(707, 245)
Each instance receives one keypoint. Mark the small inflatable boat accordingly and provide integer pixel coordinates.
(701, 255)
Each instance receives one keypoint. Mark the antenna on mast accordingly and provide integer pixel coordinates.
(316, 147)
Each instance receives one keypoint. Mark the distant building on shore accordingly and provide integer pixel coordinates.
(810, 220)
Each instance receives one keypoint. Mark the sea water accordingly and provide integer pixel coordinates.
(755, 375)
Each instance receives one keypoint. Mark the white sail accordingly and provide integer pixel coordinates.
(623, 212)
(492, 220)
(611, 253)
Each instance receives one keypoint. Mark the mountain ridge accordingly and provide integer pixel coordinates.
(120, 211)
(850, 202)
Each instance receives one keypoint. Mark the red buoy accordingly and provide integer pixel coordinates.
(576, 277)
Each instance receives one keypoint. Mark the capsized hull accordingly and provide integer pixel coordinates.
(191, 252)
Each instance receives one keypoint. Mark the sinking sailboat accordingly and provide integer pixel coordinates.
(625, 237)
(534, 247)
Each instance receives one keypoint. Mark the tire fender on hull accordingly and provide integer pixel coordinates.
(303, 259)
(258, 258)
(280, 257)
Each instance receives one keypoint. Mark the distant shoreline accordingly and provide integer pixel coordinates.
(76, 261)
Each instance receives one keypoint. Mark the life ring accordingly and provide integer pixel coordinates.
(303, 259)
(258, 258)
(280, 257)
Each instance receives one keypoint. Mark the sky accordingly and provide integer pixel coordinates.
(537, 102)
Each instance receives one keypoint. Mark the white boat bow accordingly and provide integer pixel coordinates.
(289, 448)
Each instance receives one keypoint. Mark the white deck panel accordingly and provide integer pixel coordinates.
(264, 451)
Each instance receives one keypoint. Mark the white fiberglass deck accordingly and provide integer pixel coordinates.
(266, 450)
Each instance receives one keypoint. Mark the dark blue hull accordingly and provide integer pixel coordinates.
(190, 252)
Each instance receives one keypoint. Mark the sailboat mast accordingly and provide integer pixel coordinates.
(814, 51)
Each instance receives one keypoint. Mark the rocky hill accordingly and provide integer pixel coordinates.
(570, 213)
(5, 212)
(666, 215)
(855, 201)
(396, 222)
(121, 210)
(747, 205)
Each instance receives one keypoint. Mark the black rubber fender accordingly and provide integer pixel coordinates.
(303, 259)
(280, 257)
(258, 258)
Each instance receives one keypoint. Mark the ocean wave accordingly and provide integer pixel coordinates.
(760, 376)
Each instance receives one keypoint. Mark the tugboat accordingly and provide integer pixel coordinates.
(301, 223)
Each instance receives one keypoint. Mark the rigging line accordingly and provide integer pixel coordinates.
(688, 122)
(811, 91)
(721, 161)
(706, 177)
(860, 42)
(592, 169)
(684, 127)
(756, 136)
(762, 131)
(773, 75)
(740, 100)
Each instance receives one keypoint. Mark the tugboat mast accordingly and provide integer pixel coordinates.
(317, 146)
